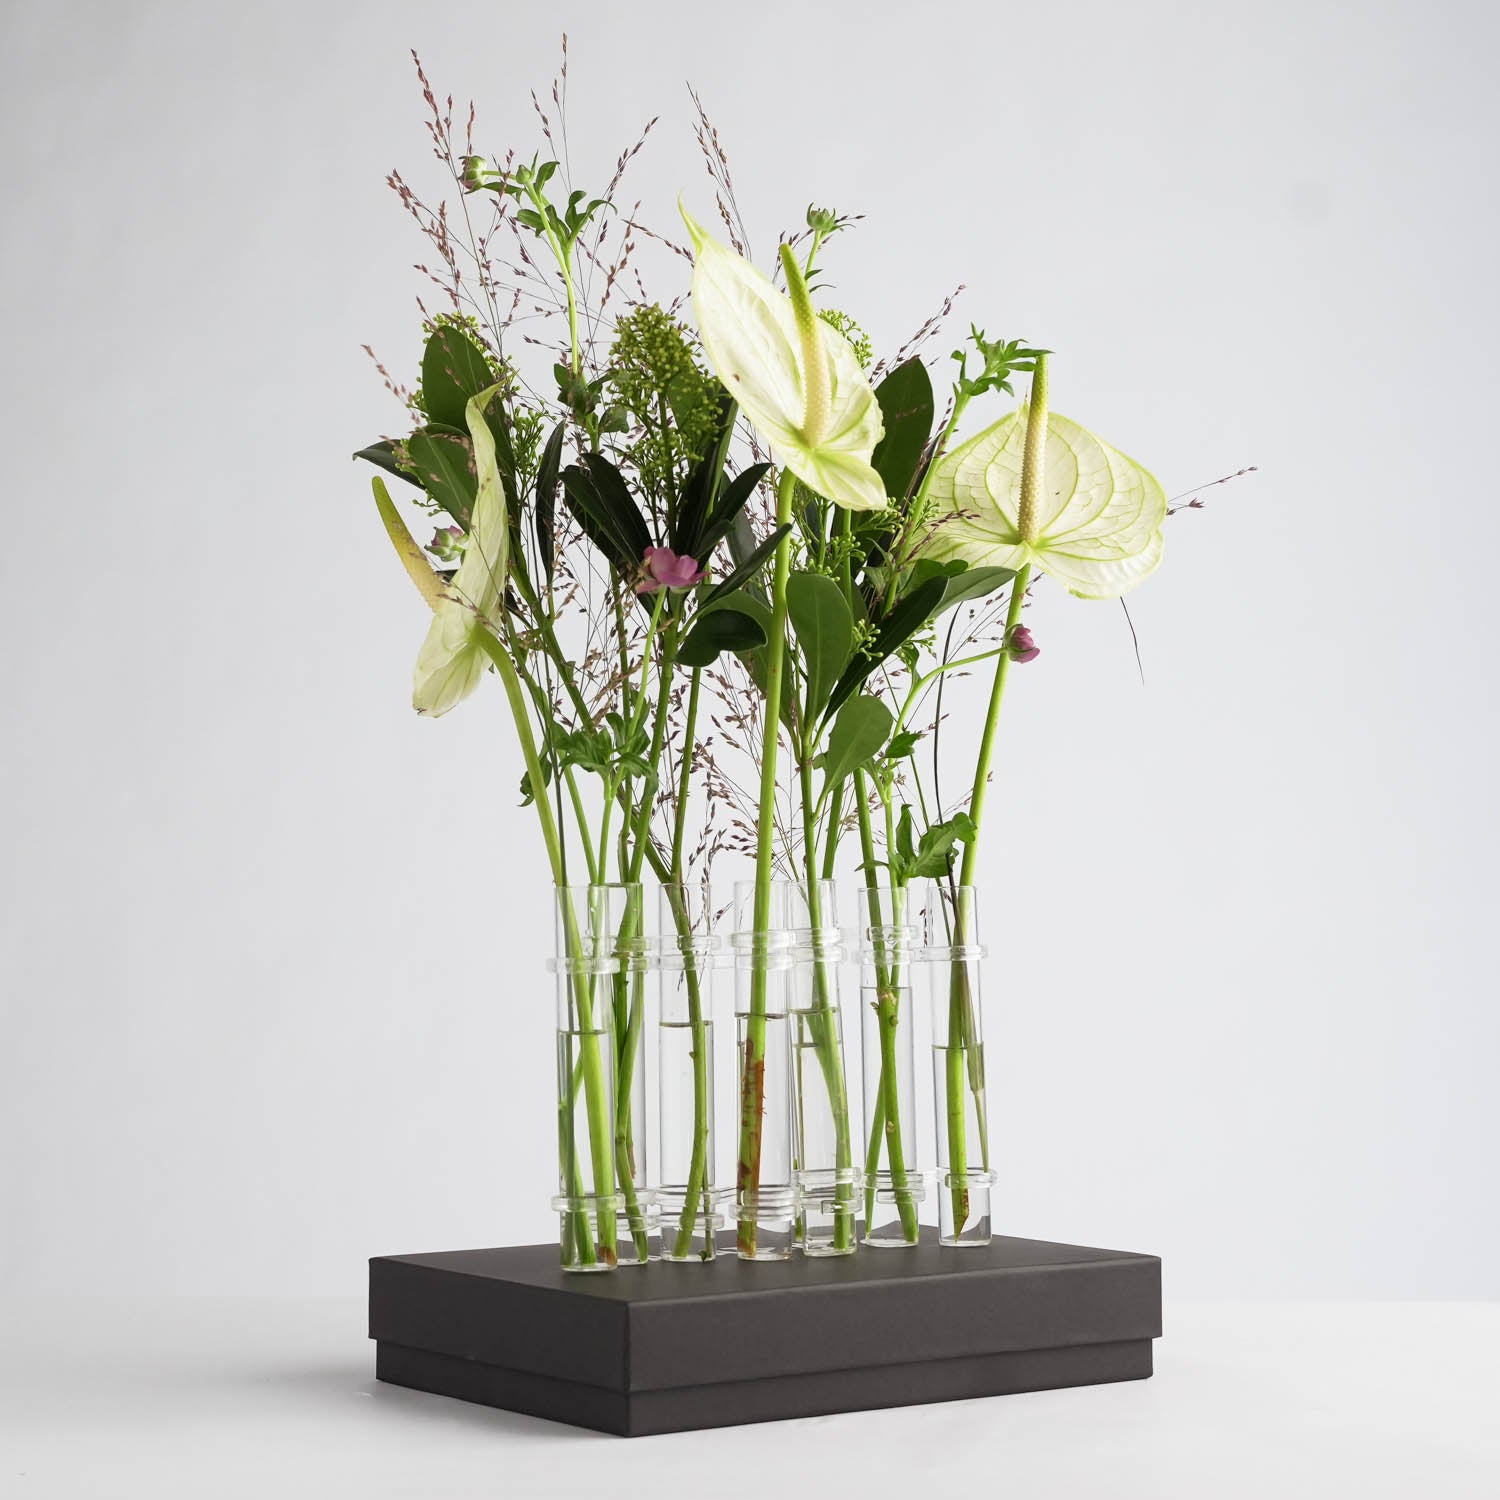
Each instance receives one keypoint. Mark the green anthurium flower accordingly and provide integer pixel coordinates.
(1093, 519)
(797, 379)
(453, 658)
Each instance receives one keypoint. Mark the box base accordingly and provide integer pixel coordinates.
(669, 1348)
(731, 1403)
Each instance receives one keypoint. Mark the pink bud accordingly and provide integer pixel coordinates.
(1020, 645)
(664, 569)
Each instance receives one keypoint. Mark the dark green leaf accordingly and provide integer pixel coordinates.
(719, 630)
(615, 494)
(546, 499)
(583, 500)
(903, 622)
(454, 368)
(825, 634)
(442, 462)
(749, 567)
(902, 744)
(614, 526)
(973, 583)
(726, 509)
(907, 407)
(383, 456)
(692, 508)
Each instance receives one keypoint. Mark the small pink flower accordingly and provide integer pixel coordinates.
(1021, 646)
(664, 569)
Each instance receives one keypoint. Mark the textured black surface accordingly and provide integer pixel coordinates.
(667, 1347)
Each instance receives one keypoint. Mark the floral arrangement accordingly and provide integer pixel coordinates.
(728, 570)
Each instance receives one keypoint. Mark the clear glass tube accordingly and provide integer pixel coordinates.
(586, 1199)
(688, 1196)
(893, 1168)
(952, 958)
(825, 1171)
(765, 1199)
(603, 947)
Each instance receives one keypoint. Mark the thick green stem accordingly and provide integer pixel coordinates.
(753, 1057)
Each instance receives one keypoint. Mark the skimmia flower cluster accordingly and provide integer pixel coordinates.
(722, 574)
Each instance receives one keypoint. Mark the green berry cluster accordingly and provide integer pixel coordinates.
(671, 399)
(858, 338)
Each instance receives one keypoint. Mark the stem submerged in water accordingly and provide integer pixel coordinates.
(753, 1056)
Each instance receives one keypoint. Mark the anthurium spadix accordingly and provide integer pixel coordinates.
(796, 379)
(1092, 520)
(453, 658)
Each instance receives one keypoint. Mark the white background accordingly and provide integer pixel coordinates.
(272, 947)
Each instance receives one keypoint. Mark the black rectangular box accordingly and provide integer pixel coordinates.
(668, 1347)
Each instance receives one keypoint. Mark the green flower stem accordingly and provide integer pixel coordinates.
(886, 1126)
(960, 1002)
(753, 1059)
(698, 1162)
(684, 785)
(825, 1034)
(581, 818)
(595, 1090)
(831, 834)
(965, 1061)
(890, 1090)
(630, 982)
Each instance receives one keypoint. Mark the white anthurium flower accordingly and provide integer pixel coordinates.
(1094, 522)
(796, 378)
(452, 660)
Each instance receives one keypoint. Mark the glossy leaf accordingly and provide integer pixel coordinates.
(616, 529)
(442, 462)
(963, 583)
(545, 518)
(615, 495)
(716, 630)
(825, 634)
(383, 455)
(907, 407)
(903, 622)
(752, 564)
(862, 727)
(454, 369)
(727, 507)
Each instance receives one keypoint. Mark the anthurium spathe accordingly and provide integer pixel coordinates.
(453, 658)
(1093, 520)
(797, 379)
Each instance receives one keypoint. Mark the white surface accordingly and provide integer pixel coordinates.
(249, 1398)
(270, 948)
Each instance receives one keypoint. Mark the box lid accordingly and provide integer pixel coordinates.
(666, 1325)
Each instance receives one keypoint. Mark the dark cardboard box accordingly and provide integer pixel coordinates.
(668, 1347)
